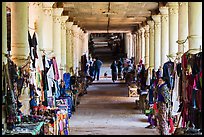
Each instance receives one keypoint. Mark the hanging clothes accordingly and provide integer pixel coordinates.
(50, 78)
(56, 73)
(33, 48)
(168, 73)
(66, 78)
(44, 73)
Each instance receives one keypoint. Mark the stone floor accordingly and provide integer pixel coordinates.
(107, 110)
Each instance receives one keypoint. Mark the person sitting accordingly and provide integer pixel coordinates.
(62, 89)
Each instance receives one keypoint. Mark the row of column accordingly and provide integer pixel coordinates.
(166, 33)
(56, 37)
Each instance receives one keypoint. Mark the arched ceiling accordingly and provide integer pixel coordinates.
(109, 16)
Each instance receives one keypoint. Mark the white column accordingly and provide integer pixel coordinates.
(85, 43)
(151, 44)
(157, 38)
(195, 26)
(48, 26)
(36, 23)
(134, 46)
(19, 35)
(4, 33)
(63, 43)
(69, 54)
(78, 47)
(139, 48)
(146, 35)
(126, 45)
(80, 44)
(130, 45)
(137, 44)
(173, 28)
(57, 36)
(164, 34)
(75, 46)
(142, 30)
(182, 26)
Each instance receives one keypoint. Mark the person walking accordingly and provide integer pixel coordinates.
(120, 67)
(163, 100)
(114, 71)
(97, 66)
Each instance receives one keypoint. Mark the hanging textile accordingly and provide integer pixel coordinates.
(66, 78)
(33, 48)
(56, 73)
(168, 73)
(50, 78)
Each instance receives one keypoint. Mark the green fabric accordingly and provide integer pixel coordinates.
(37, 129)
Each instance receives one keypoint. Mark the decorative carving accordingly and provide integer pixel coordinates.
(151, 23)
(56, 19)
(173, 10)
(183, 3)
(163, 10)
(156, 18)
(47, 11)
(146, 35)
(63, 25)
(157, 25)
(164, 18)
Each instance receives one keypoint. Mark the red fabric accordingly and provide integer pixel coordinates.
(155, 107)
(171, 130)
(184, 61)
(56, 77)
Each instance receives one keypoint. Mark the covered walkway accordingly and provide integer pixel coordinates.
(107, 110)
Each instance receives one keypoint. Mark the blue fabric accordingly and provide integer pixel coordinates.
(97, 73)
(32, 93)
(194, 98)
(63, 91)
(98, 64)
(66, 77)
(57, 92)
(151, 96)
(33, 103)
(168, 69)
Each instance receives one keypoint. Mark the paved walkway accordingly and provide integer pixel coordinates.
(107, 110)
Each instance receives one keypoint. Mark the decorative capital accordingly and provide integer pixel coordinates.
(63, 22)
(48, 4)
(57, 11)
(183, 3)
(146, 27)
(156, 18)
(164, 18)
(142, 30)
(35, 4)
(150, 23)
(173, 8)
(47, 11)
(164, 10)
(69, 25)
(157, 25)
(56, 19)
(146, 35)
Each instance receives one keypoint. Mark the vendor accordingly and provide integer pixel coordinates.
(62, 89)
